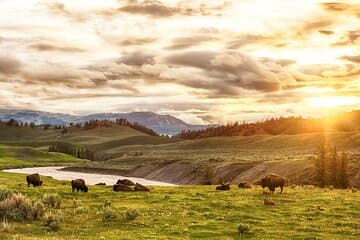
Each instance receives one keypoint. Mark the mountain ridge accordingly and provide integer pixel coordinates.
(162, 124)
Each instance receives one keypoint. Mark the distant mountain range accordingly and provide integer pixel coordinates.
(162, 124)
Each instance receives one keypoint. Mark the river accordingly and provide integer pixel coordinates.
(90, 178)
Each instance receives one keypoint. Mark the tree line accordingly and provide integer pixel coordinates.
(331, 167)
(348, 121)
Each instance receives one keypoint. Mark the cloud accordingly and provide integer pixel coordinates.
(342, 8)
(355, 59)
(48, 47)
(190, 41)
(9, 65)
(136, 41)
(350, 38)
(137, 58)
(158, 9)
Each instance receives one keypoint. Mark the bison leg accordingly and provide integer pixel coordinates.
(281, 187)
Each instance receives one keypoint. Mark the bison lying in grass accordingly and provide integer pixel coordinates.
(223, 187)
(79, 185)
(121, 188)
(33, 179)
(126, 182)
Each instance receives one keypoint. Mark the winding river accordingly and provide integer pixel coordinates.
(90, 178)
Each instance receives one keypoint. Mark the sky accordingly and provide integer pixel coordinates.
(201, 61)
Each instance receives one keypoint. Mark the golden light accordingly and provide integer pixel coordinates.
(333, 101)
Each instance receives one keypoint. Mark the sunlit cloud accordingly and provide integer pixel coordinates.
(203, 61)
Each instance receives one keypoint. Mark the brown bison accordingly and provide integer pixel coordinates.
(34, 179)
(126, 182)
(223, 187)
(121, 187)
(273, 181)
(245, 185)
(141, 188)
(79, 185)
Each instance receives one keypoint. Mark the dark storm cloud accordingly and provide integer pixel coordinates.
(158, 9)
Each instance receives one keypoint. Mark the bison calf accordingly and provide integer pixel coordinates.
(34, 179)
(79, 185)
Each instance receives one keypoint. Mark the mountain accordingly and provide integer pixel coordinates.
(163, 124)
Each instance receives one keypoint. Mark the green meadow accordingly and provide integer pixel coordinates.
(190, 212)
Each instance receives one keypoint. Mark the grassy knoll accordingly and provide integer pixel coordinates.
(193, 212)
(13, 156)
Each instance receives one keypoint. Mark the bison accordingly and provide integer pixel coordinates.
(268, 202)
(34, 179)
(79, 185)
(245, 185)
(126, 182)
(223, 187)
(141, 188)
(273, 181)
(100, 184)
(121, 187)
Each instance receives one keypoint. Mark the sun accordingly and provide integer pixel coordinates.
(333, 101)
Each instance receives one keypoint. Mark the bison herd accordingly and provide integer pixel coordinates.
(124, 185)
(270, 181)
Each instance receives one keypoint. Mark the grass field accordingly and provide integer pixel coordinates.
(192, 212)
(23, 156)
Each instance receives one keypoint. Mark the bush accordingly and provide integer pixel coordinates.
(17, 207)
(52, 221)
(243, 229)
(131, 214)
(4, 194)
(109, 214)
(6, 226)
(52, 200)
(38, 210)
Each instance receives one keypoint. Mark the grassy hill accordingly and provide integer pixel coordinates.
(229, 158)
(190, 212)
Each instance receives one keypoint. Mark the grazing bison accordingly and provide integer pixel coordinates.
(126, 182)
(34, 179)
(223, 187)
(273, 181)
(79, 185)
(121, 187)
(141, 188)
(245, 185)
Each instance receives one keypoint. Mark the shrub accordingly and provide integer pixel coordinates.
(109, 214)
(38, 210)
(52, 221)
(17, 207)
(243, 229)
(52, 200)
(6, 226)
(4, 194)
(131, 214)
